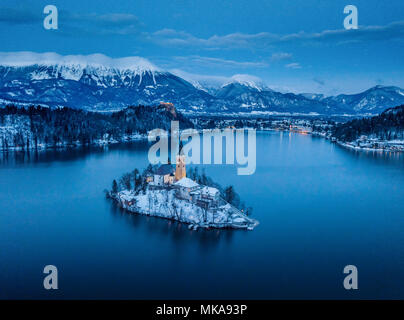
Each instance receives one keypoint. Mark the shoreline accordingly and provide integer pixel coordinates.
(225, 216)
(66, 146)
(399, 147)
(359, 148)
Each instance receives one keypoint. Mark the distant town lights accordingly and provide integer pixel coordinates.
(235, 148)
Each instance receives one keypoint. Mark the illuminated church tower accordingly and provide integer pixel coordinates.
(180, 171)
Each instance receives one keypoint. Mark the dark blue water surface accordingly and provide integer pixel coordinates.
(320, 207)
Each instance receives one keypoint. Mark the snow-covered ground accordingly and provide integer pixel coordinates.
(16, 135)
(375, 145)
(163, 203)
(14, 131)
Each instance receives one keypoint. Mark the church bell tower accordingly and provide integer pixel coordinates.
(180, 171)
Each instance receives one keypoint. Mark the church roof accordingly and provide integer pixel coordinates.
(164, 169)
(181, 151)
(210, 191)
(186, 183)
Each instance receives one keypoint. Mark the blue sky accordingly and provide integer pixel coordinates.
(297, 46)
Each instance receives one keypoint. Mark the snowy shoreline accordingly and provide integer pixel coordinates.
(387, 146)
(359, 145)
(76, 144)
(163, 203)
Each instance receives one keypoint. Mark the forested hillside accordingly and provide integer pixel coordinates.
(38, 127)
(389, 125)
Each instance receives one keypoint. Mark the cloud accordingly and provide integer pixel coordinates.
(76, 23)
(281, 56)
(181, 38)
(248, 79)
(204, 80)
(293, 65)
(28, 58)
(195, 59)
(379, 81)
(319, 81)
(394, 30)
(98, 24)
(215, 81)
(19, 16)
(128, 24)
(117, 21)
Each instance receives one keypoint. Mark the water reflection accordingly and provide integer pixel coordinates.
(65, 155)
(320, 207)
(376, 157)
(175, 231)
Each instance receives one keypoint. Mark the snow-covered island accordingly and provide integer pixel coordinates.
(165, 191)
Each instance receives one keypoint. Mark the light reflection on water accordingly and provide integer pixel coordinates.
(320, 207)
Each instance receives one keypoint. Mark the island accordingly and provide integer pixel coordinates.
(165, 191)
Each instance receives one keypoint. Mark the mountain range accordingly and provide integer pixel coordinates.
(97, 84)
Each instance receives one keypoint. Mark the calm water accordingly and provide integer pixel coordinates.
(320, 207)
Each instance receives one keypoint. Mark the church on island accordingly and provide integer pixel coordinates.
(166, 191)
(168, 176)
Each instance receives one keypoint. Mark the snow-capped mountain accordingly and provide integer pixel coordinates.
(94, 83)
(238, 96)
(248, 81)
(374, 100)
(313, 96)
(97, 82)
(244, 97)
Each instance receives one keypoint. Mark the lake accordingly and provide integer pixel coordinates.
(320, 207)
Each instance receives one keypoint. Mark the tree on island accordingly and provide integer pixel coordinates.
(232, 197)
(137, 179)
(229, 194)
(125, 181)
(248, 211)
(114, 186)
(140, 185)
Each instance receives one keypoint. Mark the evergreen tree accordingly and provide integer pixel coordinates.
(114, 186)
(137, 179)
(229, 194)
(125, 181)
